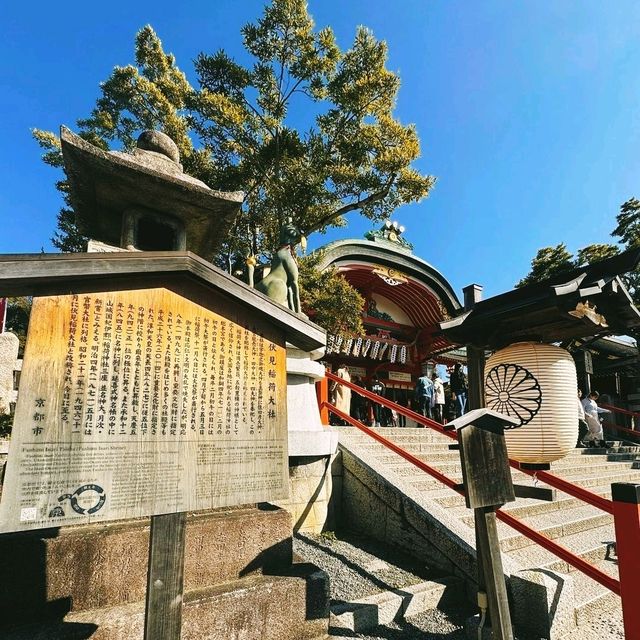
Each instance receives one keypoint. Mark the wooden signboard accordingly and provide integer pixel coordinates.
(139, 403)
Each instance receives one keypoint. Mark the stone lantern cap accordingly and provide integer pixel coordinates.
(106, 184)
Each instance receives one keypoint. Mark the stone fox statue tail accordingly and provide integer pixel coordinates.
(281, 284)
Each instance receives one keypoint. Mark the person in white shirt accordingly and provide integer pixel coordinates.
(595, 437)
(583, 429)
(438, 399)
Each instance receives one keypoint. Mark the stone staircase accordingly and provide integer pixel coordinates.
(399, 492)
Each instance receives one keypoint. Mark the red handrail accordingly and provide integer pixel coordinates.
(394, 447)
(562, 552)
(619, 409)
(567, 487)
(418, 417)
(553, 481)
(599, 576)
(610, 425)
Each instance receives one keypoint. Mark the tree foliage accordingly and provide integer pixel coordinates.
(594, 253)
(306, 130)
(628, 230)
(18, 312)
(548, 262)
(329, 299)
(628, 223)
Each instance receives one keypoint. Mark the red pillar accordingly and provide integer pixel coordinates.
(322, 393)
(626, 513)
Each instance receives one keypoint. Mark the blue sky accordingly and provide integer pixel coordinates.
(528, 112)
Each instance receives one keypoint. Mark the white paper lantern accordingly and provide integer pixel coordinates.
(537, 384)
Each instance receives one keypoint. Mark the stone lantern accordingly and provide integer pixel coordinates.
(143, 201)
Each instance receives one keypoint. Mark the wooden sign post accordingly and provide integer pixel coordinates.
(163, 610)
(487, 482)
(150, 402)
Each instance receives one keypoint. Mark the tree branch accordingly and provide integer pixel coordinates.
(352, 206)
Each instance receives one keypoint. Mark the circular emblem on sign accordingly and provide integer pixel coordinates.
(93, 499)
(514, 391)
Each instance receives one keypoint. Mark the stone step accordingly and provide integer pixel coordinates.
(622, 457)
(252, 608)
(555, 526)
(407, 435)
(383, 608)
(586, 481)
(591, 598)
(449, 463)
(444, 466)
(589, 470)
(579, 527)
(589, 545)
(420, 479)
(524, 507)
(599, 451)
(440, 450)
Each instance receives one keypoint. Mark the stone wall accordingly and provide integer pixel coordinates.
(239, 580)
(9, 345)
(310, 484)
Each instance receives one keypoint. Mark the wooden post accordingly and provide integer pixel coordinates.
(322, 393)
(475, 357)
(163, 615)
(490, 559)
(626, 513)
(487, 483)
(475, 375)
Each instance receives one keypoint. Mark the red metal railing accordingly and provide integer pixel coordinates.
(619, 410)
(553, 481)
(630, 433)
(395, 448)
(567, 487)
(631, 417)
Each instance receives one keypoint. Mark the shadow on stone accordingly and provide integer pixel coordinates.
(543, 603)
(24, 593)
(272, 561)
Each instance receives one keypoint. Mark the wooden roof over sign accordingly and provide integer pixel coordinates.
(586, 301)
(59, 274)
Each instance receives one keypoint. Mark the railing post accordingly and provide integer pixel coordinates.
(322, 393)
(626, 513)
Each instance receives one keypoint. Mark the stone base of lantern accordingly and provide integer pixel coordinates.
(311, 446)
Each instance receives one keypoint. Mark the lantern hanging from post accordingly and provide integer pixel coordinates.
(537, 384)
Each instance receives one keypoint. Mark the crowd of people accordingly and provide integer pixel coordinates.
(432, 397)
(441, 401)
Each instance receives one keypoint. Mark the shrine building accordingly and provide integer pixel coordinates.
(405, 300)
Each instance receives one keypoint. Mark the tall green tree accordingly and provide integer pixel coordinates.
(628, 230)
(552, 261)
(548, 262)
(594, 253)
(306, 130)
(628, 223)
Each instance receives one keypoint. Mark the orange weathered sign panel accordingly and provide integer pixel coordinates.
(138, 403)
